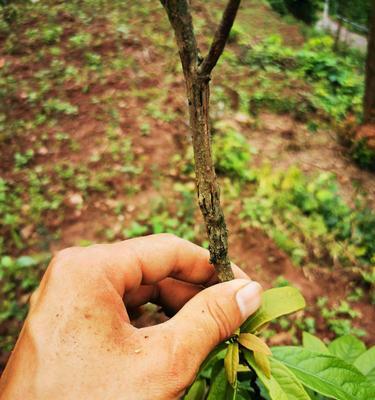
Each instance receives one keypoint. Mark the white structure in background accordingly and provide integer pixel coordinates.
(346, 36)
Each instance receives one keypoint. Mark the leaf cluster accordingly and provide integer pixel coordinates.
(245, 368)
(336, 80)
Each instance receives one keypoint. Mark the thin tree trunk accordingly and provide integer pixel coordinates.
(197, 78)
(198, 91)
(369, 98)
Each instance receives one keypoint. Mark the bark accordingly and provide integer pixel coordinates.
(220, 38)
(369, 98)
(197, 79)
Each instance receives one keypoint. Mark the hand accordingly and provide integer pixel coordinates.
(78, 343)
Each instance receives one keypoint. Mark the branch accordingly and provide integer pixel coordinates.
(198, 93)
(220, 38)
(180, 18)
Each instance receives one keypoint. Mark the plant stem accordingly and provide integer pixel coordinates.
(197, 79)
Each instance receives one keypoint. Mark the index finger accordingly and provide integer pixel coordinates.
(150, 259)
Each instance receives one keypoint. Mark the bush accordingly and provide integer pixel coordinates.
(305, 10)
(308, 218)
(335, 82)
(357, 11)
(232, 153)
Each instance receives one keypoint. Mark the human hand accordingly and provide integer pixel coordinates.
(77, 341)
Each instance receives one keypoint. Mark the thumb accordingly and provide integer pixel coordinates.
(214, 314)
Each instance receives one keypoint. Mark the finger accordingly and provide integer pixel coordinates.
(171, 293)
(149, 260)
(213, 315)
(144, 294)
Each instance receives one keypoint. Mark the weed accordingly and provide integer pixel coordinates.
(22, 159)
(339, 318)
(57, 106)
(80, 40)
(335, 80)
(308, 218)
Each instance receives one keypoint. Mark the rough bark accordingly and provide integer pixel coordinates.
(369, 98)
(197, 79)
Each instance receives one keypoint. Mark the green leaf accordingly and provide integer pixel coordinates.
(366, 363)
(197, 390)
(218, 353)
(313, 343)
(348, 348)
(220, 388)
(25, 262)
(231, 362)
(325, 374)
(282, 384)
(253, 343)
(263, 362)
(275, 302)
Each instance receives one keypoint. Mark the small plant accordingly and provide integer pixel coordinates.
(339, 319)
(232, 154)
(335, 82)
(22, 159)
(307, 218)
(363, 154)
(51, 34)
(52, 106)
(18, 278)
(80, 40)
(244, 367)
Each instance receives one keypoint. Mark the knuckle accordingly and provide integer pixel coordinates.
(63, 259)
(65, 255)
(171, 237)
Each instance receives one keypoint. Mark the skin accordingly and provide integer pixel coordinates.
(77, 341)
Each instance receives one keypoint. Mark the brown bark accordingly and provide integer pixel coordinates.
(369, 98)
(197, 79)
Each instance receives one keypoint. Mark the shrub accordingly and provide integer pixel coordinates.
(305, 10)
(308, 217)
(232, 153)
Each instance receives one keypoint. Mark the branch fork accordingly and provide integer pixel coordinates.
(197, 72)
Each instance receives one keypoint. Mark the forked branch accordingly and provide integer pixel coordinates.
(197, 79)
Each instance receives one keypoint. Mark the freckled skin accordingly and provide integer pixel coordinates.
(77, 341)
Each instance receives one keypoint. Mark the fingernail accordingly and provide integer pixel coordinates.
(249, 299)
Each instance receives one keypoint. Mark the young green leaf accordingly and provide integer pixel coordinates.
(325, 374)
(218, 353)
(254, 343)
(348, 348)
(366, 363)
(231, 362)
(220, 388)
(313, 343)
(263, 362)
(282, 384)
(197, 390)
(275, 302)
